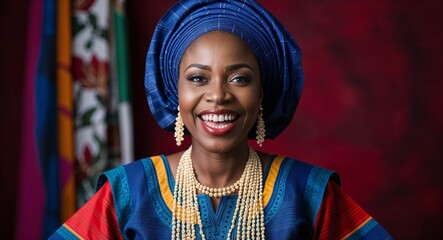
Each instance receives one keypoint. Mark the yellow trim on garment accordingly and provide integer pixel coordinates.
(166, 193)
(72, 231)
(162, 178)
(369, 218)
(270, 180)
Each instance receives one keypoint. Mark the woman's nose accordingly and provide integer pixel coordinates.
(218, 92)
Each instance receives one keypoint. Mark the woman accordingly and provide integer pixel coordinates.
(224, 72)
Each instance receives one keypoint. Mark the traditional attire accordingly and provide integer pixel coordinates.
(301, 201)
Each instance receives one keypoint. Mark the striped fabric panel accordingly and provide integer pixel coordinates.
(340, 217)
(65, 105)
(97, 219)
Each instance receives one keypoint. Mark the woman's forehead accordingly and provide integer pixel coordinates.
(221, 48)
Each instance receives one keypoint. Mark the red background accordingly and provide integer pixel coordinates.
(371, 109)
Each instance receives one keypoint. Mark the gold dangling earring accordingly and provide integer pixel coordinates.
(179, 128)
(260, 133)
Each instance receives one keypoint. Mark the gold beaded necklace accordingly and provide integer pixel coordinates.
(248, 209)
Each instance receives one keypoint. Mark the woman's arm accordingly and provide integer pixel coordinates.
(97, 219)
(340, 217)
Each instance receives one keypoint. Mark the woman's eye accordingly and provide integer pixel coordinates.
(196, 79)
(240, 80)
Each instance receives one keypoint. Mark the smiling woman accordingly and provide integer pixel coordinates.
(227, 71)
(219, 76)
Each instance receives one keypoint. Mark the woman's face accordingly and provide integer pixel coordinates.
(219, 91)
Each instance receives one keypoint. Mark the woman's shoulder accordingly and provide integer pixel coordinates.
(294, 185)
(298, 172)
(135, 171)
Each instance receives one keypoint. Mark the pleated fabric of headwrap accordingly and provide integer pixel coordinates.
(278, 55)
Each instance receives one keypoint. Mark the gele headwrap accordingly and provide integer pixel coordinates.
(277, 53)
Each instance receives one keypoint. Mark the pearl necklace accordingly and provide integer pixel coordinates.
(248, 217)
(218, 192)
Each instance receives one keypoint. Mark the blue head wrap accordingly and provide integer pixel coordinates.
(277, 53)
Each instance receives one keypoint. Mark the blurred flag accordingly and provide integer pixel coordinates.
(121, 62)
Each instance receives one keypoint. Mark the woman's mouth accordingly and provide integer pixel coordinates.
(218, 123)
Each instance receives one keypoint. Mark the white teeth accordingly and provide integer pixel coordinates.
(219, 126)
(218, 118)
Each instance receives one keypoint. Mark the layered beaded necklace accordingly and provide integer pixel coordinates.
(248, 217)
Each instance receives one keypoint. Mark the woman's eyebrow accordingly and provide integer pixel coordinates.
(237, 66)
(227, 68)
(201, 66)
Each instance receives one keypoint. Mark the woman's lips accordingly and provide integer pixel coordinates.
(218, 122)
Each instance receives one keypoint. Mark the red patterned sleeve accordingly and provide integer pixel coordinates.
(340, 217)
(97, 219)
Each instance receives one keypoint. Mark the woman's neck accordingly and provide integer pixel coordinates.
(219, 169)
